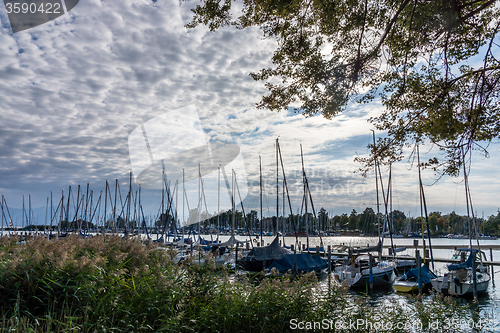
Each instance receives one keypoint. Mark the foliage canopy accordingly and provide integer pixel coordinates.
(433, 63)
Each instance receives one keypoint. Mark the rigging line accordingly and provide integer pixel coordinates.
(77, 209)
(242, 208)
(206, 207)
(228, 187)
(389, 197)
(121, 201)
(143, 224)
(469, 200)
(170, 196)
(288, 195)
(98, 203)
(72, 200)
(170, 199)
(427, 223)
(187, 203)
(7, 207)
(57, 209)
(309, 191)
(386, 198)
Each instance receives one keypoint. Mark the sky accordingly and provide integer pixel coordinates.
(73, 90)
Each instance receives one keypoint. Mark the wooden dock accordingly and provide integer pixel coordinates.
(487, 262)
(448, 247)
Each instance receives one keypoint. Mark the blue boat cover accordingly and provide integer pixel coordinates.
(270, 252)
(465, 264)
(206, 242)
(305, 263)
(412, 274)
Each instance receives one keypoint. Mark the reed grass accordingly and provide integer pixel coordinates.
(110, 284)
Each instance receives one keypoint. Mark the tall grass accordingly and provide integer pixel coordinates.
(109, 284)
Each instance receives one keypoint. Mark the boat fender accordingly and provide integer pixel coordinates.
(457, 281)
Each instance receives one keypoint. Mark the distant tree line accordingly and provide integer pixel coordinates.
(365, 222)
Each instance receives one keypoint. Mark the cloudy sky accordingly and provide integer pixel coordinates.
(74, 89)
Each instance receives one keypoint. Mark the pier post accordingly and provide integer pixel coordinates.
(419, 265)
(294, 261)
(491, 265)
(264, 263)
(474, 275)
(370, 277)
(236, 259)
(329, 266)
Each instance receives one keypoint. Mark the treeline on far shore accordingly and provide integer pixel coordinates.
(353, 224)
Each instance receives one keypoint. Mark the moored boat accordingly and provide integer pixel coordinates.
(300, 263)
(359, 274)
(459, 280)
(409, 282)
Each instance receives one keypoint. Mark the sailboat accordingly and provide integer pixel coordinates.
(459, 280)
(260, 258)
(409, 282)
(364, 271)
(469, 277)
(418, 278)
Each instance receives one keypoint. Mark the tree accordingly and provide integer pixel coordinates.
(399, 220)
(343, 221)
(367, 221)
(433, 64)
(353, 220)
(323, 219)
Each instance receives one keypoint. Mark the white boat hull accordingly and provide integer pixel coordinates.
(461, 284)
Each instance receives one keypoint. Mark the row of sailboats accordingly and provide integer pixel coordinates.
(362, 270)
(467, 278)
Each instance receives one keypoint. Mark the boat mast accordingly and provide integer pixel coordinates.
(162, 215)
(218, 200)
(285, 188)
(22, 219)
(61, 214)
(261, 220)
(277, 190)
(199, 200)
(183, 200)
(114, 207)
(427, 223)
(304, 180)
(232, 202)
(421, 204)
(376, 189)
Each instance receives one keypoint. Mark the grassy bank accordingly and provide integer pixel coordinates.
(107, 284)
